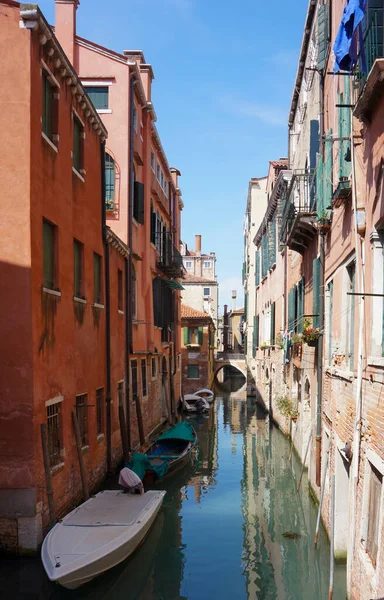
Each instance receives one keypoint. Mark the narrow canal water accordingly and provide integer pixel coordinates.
(220, 533)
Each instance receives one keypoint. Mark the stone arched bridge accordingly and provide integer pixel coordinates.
(227, 359)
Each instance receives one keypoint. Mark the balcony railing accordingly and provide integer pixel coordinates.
(169, 260)
(298, 211)
(373, 35)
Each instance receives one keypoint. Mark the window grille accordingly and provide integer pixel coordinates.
(82, 417)
(134, 380)
(54, 434)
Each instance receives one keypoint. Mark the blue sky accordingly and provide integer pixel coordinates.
(224, 75)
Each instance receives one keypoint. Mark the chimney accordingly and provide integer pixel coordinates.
(65, 28)
(198, 244)
(234, 294)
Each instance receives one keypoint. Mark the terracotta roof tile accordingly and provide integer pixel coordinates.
(187, 312)
(190, 278)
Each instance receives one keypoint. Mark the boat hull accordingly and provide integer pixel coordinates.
(84, 568)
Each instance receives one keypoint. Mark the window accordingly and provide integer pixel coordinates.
(120, 393)
(193, 372)
(55, 447)
(178, 362)
(109, 182)
(134, 293)
(153, 161)
(49, 255)
(135, 118)
(138, 202)
(49, 107)
(193, 335)
(188, 264)
(153, 368)
(78, 267)
(78, 142)
(350, 330)
(144, 388)
(207, 264)
(120, 296)
(98, 95)
(100, 411)
(82, 417)
(158, 171)
(153, 225)
(134, 380)
(375, 487)
(97, 279)
(207, 291)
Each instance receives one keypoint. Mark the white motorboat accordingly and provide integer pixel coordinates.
(99, 534)
(205, 393)
(195, 404)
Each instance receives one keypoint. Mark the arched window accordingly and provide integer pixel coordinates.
(134, 292)
(109, 182)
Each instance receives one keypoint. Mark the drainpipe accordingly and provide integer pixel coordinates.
(128, 267)
(107, 316)
(359, 382)
(320, 344)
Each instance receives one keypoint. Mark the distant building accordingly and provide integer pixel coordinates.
(201, 289)
(197, 349)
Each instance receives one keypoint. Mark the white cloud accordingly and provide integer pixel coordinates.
(273, 115)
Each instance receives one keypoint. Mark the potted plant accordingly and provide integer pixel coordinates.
(279, 341)
(296, 338)
(287, 408)
(310, 334)
(324, 221)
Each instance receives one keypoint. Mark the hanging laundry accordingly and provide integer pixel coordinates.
(345, 46)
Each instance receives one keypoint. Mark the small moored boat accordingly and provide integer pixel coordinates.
(167, 454)
(99, 534)
(205, 393)
(195, 404)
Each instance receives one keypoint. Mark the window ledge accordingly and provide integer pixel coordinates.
(51, 292)
(165, 344)
(96, 305)
(85, 449)
(104, 111)
(76, 172)
(49, 142)
(57, 468)
(80, 300)
(376, 361)
(100, 438)
(121, 312)
(193, 378)
(342, 374)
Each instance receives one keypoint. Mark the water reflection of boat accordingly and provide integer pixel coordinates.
(205, 393)
(195, 404)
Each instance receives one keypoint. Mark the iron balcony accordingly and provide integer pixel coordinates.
(298, 220)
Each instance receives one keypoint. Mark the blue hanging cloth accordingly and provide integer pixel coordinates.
(345, 46)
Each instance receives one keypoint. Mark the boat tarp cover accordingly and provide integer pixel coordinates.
(181, 431)
(141, 462)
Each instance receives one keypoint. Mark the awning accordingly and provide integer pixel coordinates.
(171, 283)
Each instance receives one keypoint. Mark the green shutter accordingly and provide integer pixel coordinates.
(328, 172)
(76, 158)
(264, 256)
(344, 130)
(292, 309)
(300, 305)
(77, 268)
(200, 332)
(138, 202)
(257, 267)
(330, 316)
(97, 278)
(316, 291)
(271, 243)
(273, 318)
(98, 96)
(245, 307)
(256, 329)
(185, 335)
(319, 183)
(153, 226)
(322, 35)
(243, 273)
(47, 106)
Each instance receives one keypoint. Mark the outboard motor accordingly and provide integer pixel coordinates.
(200, 405)
(131, 482)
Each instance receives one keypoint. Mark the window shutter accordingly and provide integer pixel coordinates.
(245, 307)
(344, 130)
(319, 183)
(271, 243)
(264, 256)
(185, 335)
(153, 226)
(272, 334)
(48, 255)
(257, 267)
(328, 172)
(243, 273)
(138, 202)
(322, 36)
(292, 309)
(300, 304)
(109, 180)
(257, 334)
(200, 331)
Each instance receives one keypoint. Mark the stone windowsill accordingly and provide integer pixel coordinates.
(341, 373)
(76, 172)
(80, 300)
(97, 305)
(376, 361)
(52, 292)
(57, 468)
(100, 438)
(121, 312)
(49, 142)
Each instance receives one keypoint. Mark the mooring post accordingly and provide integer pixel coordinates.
(80, 455)
(47, 470)
(305, 458)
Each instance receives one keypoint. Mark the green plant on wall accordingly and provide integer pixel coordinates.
(310, 333)
(286, 407)
(279, 341)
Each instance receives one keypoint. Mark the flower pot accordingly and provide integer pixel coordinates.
(312, 343)
(323, 227)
